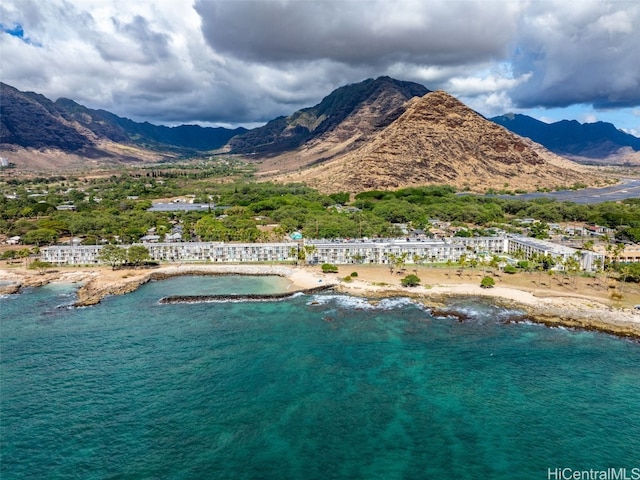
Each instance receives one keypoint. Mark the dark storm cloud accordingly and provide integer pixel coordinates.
(357, 32)
(569, 52)
(587, 53)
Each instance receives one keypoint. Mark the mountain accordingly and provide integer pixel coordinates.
(437, 139)
(33, 121)
(580, 141)
(377, 134)
(374, 103)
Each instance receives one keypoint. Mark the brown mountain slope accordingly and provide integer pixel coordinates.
(440, 140)
(379, 99)
(343, 121)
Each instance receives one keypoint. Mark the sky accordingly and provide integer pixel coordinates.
(237, 62)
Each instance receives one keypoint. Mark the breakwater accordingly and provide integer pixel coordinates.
(246, 297)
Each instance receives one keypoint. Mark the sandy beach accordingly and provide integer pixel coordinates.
(581, 303)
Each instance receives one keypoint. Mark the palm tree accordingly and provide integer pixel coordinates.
(293, 253)
(463, 262)
(588, 245)
(573, 267)
(617, 251)
(392, 261)
(624, 273)
(599, 265)
(24, 253)
(309, 250)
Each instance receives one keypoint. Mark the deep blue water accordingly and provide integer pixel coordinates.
(314, 387)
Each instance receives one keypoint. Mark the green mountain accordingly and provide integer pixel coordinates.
(31, 120)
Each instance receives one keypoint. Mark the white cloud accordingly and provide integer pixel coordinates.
(474, 85)
(246, 61)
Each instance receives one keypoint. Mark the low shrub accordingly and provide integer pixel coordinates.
(410, 281)
(329, 268)
(487, 282)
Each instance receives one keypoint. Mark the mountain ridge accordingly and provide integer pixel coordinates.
(31, 120)
(597, 140)
(377, 134)
(287, 133)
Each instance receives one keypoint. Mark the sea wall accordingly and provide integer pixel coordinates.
(242, 297)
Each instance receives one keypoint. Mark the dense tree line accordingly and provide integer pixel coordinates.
(115, 209)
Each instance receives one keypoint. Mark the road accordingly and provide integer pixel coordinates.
(627, 188)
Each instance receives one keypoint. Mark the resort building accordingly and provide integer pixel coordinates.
(222, 252)
(631, 253)
(339, 252)
(382, 251)
(71, 255)
(180, 252)
(529, 247)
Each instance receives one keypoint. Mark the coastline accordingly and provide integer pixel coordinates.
(552, 307)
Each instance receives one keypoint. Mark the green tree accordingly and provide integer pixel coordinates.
(540, 230)
(40, 236)
(617, 251)
(113, 255)
(137, 254)
(41, 266)
(208, 229)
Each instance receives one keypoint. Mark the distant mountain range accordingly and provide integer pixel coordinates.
(595, 141)
(377, 134)
(31, 120)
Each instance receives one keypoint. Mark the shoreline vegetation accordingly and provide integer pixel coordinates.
(583, 305)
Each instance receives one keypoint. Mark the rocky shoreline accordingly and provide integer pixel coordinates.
(553, 312)
(582, 318)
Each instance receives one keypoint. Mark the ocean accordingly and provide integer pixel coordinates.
(313, 387)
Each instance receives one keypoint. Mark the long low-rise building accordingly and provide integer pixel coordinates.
(339, 252)
(529, 247)
(180, 252)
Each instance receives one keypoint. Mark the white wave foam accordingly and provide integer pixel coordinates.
(359, 303)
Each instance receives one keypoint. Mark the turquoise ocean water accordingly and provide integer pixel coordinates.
(313, 387)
